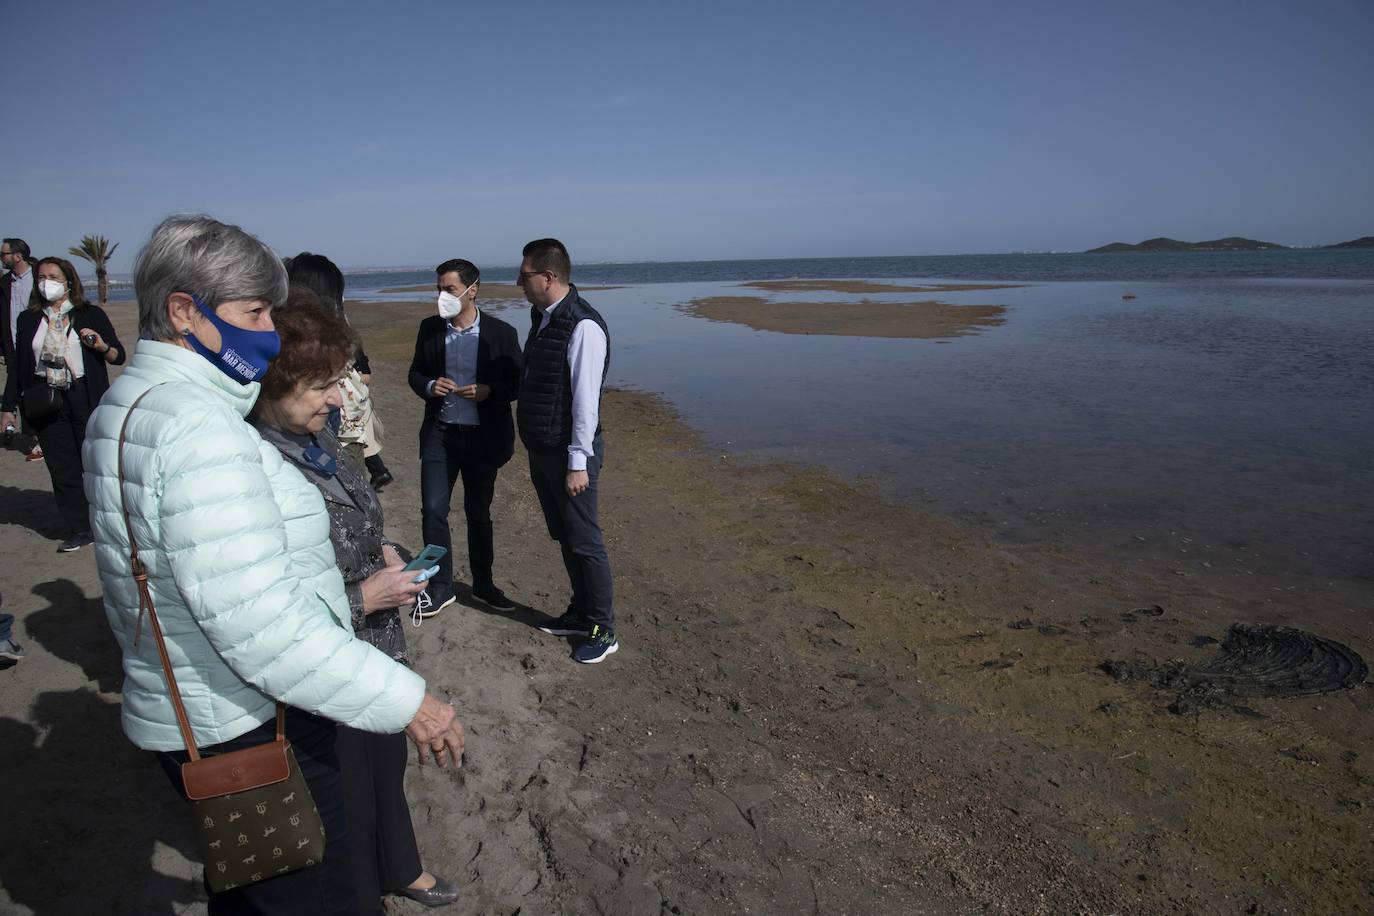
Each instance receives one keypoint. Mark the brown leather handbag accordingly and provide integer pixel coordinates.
(253, 813)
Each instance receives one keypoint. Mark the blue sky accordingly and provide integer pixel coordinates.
(405, 133)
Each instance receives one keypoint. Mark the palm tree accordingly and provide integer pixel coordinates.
(98, 250)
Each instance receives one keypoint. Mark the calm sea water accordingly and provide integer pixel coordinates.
(1221, 423)
(1332, 265)
(1329, 265)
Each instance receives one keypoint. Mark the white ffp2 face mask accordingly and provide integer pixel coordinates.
(52, 290)
(450, 305)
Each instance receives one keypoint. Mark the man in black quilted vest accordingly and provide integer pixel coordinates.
(566, 358)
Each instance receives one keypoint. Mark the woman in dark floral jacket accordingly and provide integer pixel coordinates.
(298, 393)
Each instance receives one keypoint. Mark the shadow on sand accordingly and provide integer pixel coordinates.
(31, 509)
(85, 812)
(522, 613)
(73, 628)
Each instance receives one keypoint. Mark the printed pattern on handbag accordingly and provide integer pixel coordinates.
(257, 834)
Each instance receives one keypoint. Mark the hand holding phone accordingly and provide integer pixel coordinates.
(388, 588)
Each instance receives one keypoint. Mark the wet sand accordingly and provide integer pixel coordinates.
(823, 703)
(924, 320)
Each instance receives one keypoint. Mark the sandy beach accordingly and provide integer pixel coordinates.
(824, 703)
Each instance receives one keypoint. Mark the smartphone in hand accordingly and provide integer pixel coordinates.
(428, 557)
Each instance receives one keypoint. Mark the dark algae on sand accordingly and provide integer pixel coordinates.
(1254, 661)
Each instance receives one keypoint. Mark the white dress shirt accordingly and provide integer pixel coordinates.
(21, 287)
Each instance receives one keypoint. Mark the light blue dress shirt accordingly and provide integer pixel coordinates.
(460, 364)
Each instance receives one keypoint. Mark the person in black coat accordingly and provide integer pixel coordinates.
(16, 259)
(467, 369)
(62, 347)
(14, 255)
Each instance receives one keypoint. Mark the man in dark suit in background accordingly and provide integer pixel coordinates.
(15, 288)
(467, 368)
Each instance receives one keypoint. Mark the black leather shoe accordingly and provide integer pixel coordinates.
(441, 894)
(381, 480)
(75, 542)
(492, 597)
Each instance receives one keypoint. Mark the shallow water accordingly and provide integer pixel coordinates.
(1220, 421)
(1223, 425)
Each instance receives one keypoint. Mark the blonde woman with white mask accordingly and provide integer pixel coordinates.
(62, 347)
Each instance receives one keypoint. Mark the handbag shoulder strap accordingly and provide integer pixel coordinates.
(145, 605)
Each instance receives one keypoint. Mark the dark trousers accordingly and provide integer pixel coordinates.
(572, 522)
(447, 453)
(61, 437)
(320, 890)
(385, 857)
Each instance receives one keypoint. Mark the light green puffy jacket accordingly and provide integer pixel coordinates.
(236, 544)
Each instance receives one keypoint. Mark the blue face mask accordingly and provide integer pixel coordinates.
(243, 354)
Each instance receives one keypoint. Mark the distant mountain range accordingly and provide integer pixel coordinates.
(1231, 243)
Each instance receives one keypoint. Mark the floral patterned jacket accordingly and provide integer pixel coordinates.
(355, 530)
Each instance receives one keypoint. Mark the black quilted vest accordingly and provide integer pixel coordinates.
(545, 412)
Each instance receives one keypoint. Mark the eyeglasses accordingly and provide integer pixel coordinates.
(526, 274)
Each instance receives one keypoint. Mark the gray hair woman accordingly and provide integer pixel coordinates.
(236, 549)
(298, 393)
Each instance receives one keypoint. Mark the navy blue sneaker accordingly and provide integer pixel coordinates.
(570, 624)
(599, 644)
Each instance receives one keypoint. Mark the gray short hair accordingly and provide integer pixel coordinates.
(215, 262)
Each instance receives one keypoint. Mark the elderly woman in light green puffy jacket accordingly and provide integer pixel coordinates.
(247, 621)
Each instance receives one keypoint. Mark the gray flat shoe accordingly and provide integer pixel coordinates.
(441, 894)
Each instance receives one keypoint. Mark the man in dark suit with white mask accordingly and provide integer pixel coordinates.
(467, 368)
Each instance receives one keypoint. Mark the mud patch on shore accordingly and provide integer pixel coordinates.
(927, 320)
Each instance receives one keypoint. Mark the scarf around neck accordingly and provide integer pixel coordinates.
(53, 354)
